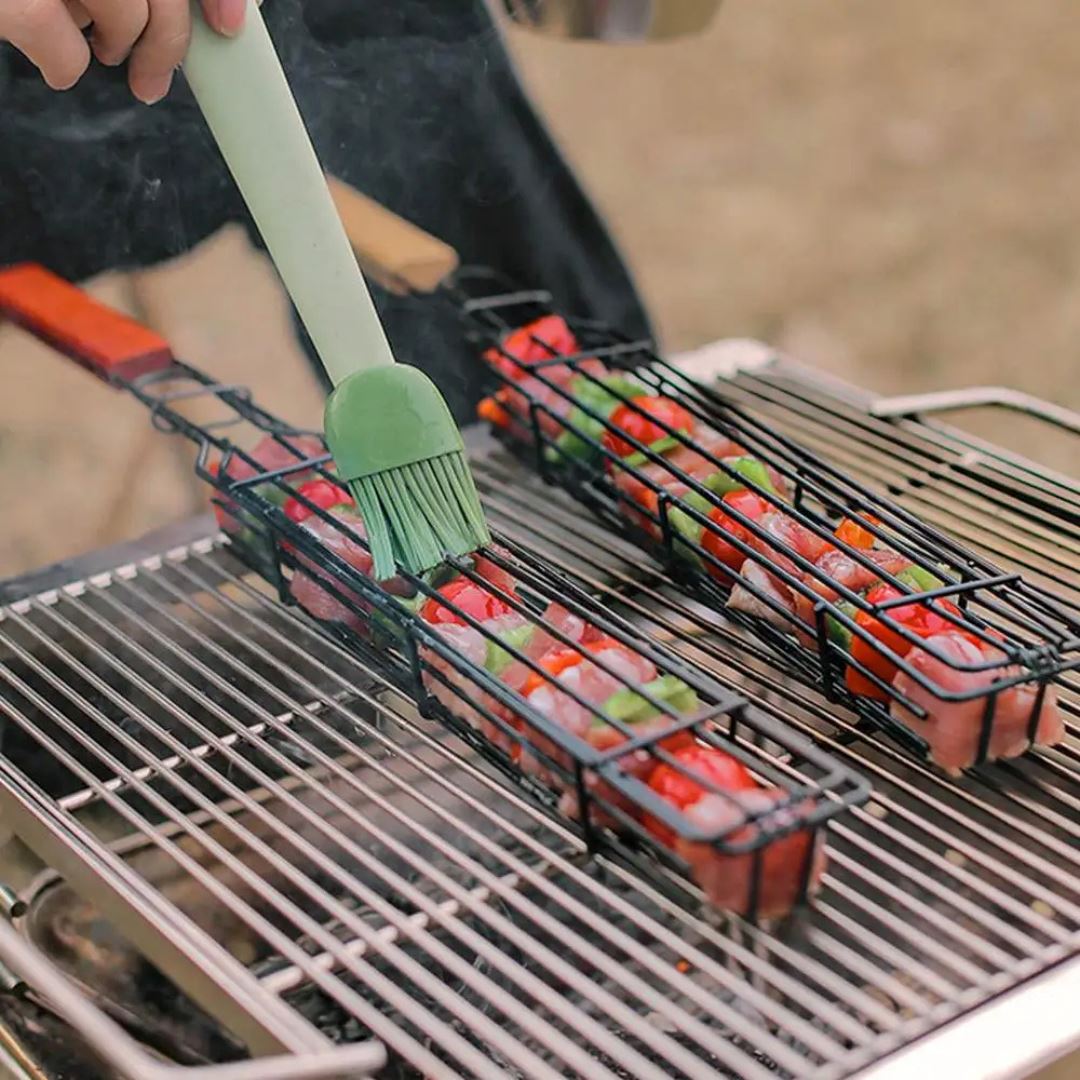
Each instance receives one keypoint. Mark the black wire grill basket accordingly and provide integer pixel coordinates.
(553, 409)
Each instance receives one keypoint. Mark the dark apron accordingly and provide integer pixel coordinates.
(412, 101)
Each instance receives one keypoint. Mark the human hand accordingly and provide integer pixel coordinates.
(152, 35)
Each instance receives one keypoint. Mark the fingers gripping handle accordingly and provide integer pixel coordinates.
(111, 345)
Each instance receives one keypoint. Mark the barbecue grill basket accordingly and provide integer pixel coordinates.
(383, 627)
(1037, 635)
(447, 685)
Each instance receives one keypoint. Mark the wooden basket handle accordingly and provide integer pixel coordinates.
(397, 254)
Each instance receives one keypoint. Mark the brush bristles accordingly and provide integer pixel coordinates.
(420, 513)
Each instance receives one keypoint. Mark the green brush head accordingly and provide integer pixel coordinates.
(400, 452)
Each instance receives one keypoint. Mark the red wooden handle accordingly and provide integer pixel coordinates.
(109, 344)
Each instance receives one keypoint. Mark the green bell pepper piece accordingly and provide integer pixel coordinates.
(631, 708)
(836, 630)
(604, 395)
(918, 579)
(661, 446)
(599, 397)
(683, 524)
(698, 501)
(498, 659)
(571, 442)
(685, 527)
(748, 468)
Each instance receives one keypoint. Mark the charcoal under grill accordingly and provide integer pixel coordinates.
(385, 889)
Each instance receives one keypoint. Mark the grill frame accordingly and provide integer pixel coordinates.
(93, 884)
(1025, 1048)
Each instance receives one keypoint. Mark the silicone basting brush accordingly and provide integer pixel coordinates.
(390, 431)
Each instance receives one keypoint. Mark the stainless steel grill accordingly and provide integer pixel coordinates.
(305, 861)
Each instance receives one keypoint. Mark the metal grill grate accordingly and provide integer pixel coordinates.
(1023, 517)
(465, 928)
(472, 920)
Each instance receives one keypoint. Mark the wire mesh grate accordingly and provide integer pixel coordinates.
(280, 842)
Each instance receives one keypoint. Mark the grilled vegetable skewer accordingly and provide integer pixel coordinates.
(587, 685)
(723, 510)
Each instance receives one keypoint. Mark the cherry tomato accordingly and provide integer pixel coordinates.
(749, 505)
(470, 597)
(631, 422)
(541, 340)
(851, 532)
(322, 493)
(711, 764)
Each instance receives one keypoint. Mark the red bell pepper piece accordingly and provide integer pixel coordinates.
(749, 505)
(524, 345)
(852, 532)
(917, 617)
(322, 493)
(492, 410)
(631, 422)
(473, 599)
(559, 659)
(711, 764)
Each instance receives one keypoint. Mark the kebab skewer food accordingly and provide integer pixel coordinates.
(778, 570)
(581, 682)
(587, 685)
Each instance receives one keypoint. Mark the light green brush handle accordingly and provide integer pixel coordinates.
(242, 91)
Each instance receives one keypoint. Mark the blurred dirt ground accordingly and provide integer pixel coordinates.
(887, 191)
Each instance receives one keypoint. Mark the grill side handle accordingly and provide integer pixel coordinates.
(977, 397)
(399, 255)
